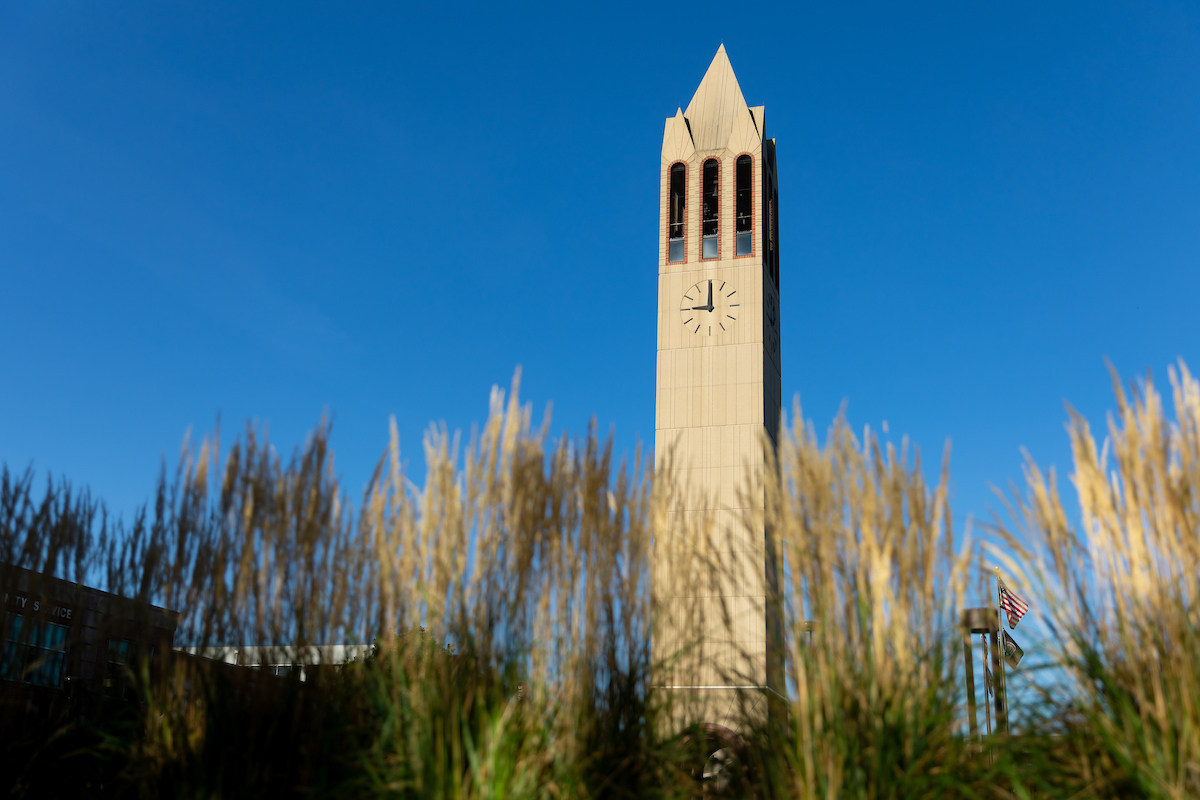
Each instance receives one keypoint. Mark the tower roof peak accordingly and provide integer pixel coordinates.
(716, 104)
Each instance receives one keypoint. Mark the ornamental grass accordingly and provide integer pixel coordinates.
(509, 607)
(1119, 590)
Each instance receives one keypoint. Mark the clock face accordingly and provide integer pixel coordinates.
(710, 307)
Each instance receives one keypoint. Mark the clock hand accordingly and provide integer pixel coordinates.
(710, 306)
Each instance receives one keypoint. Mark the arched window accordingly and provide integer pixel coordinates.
(710, 197)
(676, 248)
(745, 212)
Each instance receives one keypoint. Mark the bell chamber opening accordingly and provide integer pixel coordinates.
(676, 241)
(745, 210)
(710, 196)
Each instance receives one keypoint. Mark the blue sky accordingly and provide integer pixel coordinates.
(263, 211)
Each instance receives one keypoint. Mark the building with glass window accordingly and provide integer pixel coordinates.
(284, 660)
(63, 638)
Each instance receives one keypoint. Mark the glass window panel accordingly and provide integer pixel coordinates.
(744, 245)
(676, 250)
(47, 668)
(10, 667)
(50, 636)
(57, 636)
(14, 626)
(118, 651)
(710, 246)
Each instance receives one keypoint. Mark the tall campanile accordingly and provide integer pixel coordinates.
(718, 384)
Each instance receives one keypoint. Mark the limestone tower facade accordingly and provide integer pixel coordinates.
(718, 383)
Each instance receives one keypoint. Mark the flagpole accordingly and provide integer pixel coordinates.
(969, 678)
(987, 686)
(1003, 665)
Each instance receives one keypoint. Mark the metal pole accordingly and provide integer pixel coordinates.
(968, 658)
(998, 668)
(987, 691)
(1004, 679)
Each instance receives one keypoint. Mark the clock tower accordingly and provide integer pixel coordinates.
(718, 392)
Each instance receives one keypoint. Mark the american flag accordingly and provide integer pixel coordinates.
(1014, 606)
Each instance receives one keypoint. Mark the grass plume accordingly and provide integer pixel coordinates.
(1120, 593)
(510, 602)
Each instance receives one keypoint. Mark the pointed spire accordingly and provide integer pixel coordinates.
(718, 102)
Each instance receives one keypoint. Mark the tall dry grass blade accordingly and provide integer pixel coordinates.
(872, 587)
(1121, 592)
